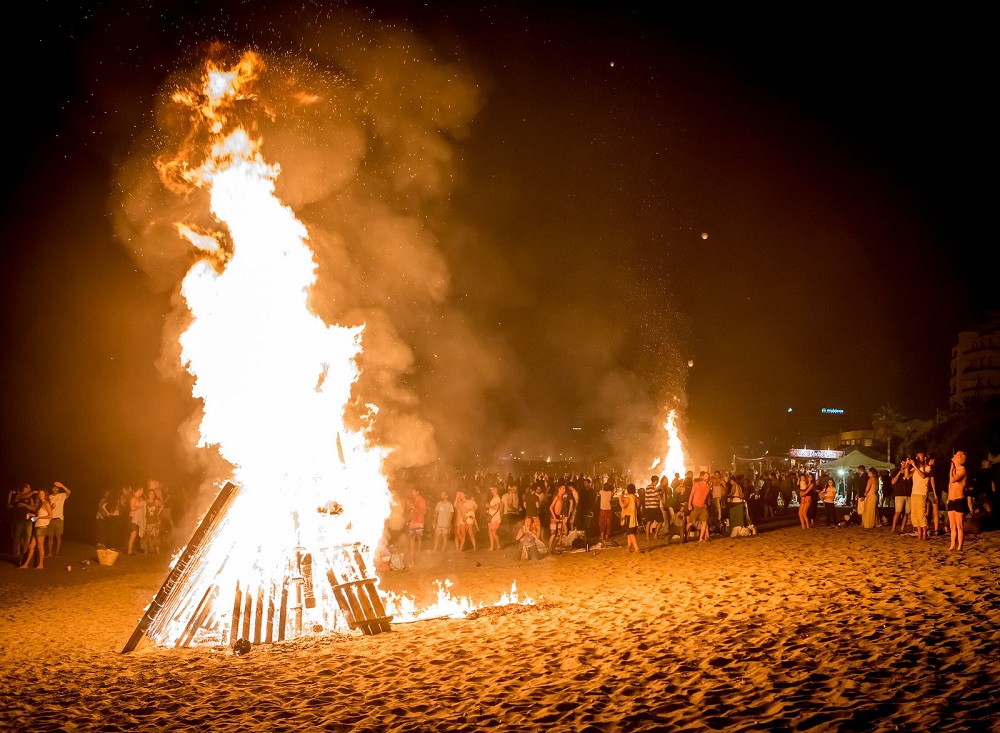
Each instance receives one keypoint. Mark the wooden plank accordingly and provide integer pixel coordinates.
(202, 534)
(269, 638)
(204, 608)
(283, 611)
(234, 625)
(258, 616)
(247, 612)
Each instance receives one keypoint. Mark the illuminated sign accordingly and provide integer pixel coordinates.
(831, 411)
(809, 453)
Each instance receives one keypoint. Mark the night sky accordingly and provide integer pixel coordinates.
(837, 161)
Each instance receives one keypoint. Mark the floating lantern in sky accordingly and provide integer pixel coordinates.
(690, 362)
(704, 235)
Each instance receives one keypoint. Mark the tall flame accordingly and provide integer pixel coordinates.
(674, 459)
(273, 378)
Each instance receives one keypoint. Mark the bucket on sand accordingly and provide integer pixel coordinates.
(106, 556)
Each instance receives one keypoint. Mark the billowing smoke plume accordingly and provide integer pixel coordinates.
(365, 143)
(366, 124)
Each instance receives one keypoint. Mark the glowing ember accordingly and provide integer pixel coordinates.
(274, 381)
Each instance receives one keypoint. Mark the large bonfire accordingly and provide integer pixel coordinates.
(307, 499)
(286, 547)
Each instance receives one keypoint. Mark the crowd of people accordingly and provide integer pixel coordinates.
(137, 519)
(540, 513)
(35, 522)
(134, 519)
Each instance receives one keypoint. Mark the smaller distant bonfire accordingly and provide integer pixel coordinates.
(674, 460)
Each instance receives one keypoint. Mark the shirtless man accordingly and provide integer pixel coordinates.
(957, 502)
(557, 517)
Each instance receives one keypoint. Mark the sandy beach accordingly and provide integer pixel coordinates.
(826, 629)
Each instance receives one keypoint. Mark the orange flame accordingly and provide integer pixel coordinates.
(273, 380)
(674, 459)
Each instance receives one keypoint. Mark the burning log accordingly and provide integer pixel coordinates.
(234, 628)
(265, 605)
(185, 564)
(356, 593)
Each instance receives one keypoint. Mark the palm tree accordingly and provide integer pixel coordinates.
(888, 421)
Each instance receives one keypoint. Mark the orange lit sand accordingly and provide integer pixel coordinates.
(842, 629)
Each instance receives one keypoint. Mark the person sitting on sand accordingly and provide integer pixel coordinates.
(958, 503)
(630, 510)
(679, 525)
(531, 545)
(41, 517)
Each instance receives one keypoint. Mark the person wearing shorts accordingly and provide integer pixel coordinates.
(902, 486)
(57, 498)
(469, 510)
(24, 508)
(698, 514)
(444, 510)
(557, 517)
(41, 517)
(629, 502)
(920, 472)
(957, 501)
(652, 515)
(958, 505)
(606, 494)
(698, 505)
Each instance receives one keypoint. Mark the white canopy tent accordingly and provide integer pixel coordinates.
(852, 460)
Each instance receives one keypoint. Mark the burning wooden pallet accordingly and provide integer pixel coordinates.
(265, 608)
